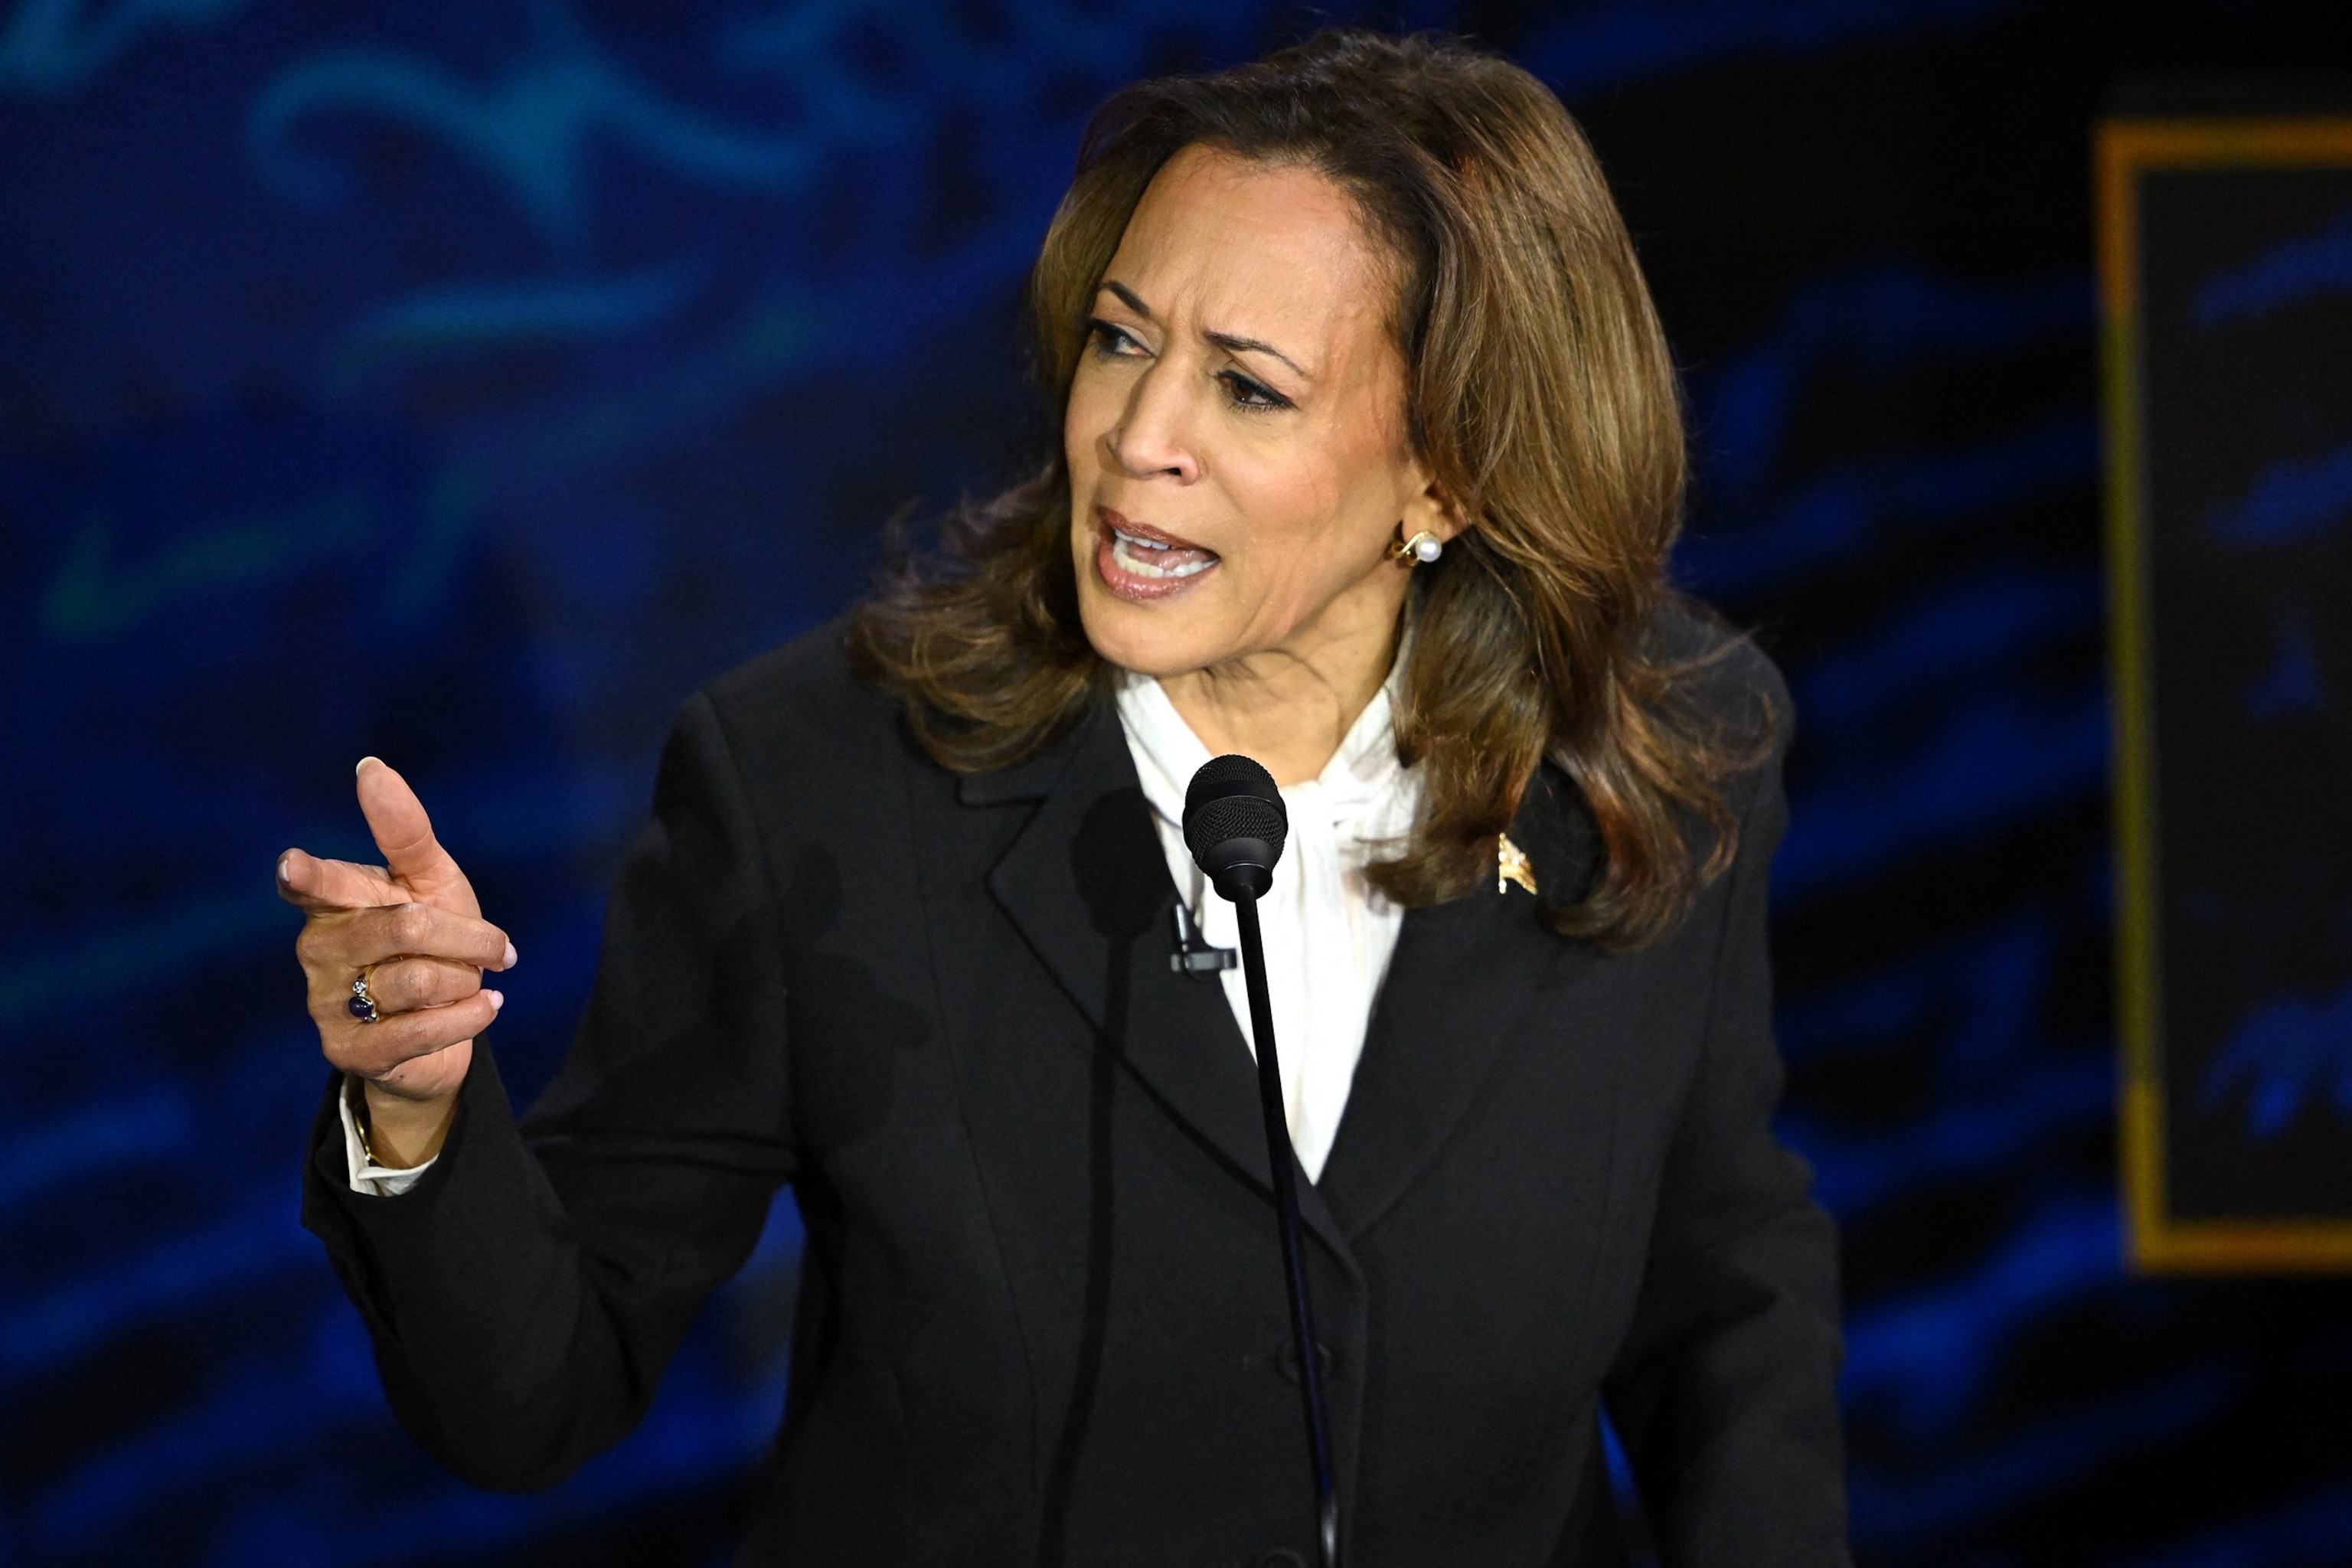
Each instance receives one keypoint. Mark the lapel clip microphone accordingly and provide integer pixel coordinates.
(1235, 826)
(1195, 954)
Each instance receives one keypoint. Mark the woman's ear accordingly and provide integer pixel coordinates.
(1432, 510)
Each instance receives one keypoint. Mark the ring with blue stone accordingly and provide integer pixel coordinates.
(361, 1005)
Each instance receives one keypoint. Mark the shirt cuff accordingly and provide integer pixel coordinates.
(367, 1176)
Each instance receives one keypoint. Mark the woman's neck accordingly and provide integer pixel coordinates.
(1287, 707)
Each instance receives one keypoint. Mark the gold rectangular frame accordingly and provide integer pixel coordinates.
(2155, 1241)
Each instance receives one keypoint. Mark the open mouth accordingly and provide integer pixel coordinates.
(1137, 561)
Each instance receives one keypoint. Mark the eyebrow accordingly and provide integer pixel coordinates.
(1225, 341)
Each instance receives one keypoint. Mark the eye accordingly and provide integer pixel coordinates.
(1244, 392)
(1113, 342)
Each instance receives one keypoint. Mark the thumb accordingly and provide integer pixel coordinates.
(405, 835)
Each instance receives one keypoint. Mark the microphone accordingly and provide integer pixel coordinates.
(1235, 826)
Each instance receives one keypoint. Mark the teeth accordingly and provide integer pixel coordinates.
(1123, 548)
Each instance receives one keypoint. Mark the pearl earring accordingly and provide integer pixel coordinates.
(1420, 550)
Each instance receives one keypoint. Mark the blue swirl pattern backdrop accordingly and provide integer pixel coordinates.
(466, 384)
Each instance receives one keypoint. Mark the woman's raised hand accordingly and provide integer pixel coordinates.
(413, 928)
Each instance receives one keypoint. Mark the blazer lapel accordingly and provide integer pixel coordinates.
(1087, 883)
(1464, 976)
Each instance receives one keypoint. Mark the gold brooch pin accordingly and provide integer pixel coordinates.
(1511, 865)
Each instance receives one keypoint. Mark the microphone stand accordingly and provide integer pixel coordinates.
(1280, 1163)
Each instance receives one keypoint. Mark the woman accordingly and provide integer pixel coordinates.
(1371, 465)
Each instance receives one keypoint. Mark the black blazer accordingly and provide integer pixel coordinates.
(1042, 1312)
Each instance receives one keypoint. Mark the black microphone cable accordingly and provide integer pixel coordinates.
(1235, 826)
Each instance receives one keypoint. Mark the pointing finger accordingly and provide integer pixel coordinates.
(404, 834)
(316, 886)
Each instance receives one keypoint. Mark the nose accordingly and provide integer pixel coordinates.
(1152, 437)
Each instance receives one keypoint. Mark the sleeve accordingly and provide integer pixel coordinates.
(1725, 1390)
(525, 1295)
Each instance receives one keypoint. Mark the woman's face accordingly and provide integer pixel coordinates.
(1235, 429)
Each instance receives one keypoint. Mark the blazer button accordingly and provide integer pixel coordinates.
(1281, 1556)
(1286, 1360)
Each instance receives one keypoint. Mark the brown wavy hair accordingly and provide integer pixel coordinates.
(1541, 397)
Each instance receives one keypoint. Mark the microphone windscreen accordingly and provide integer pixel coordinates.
(1234, 797)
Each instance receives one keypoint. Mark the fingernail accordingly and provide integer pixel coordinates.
(285, 871)
(364, 762)
(510, 963)
(497, 999)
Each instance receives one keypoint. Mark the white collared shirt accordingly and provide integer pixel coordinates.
(1328, 934)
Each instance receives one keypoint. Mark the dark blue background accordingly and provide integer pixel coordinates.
(466, 383)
